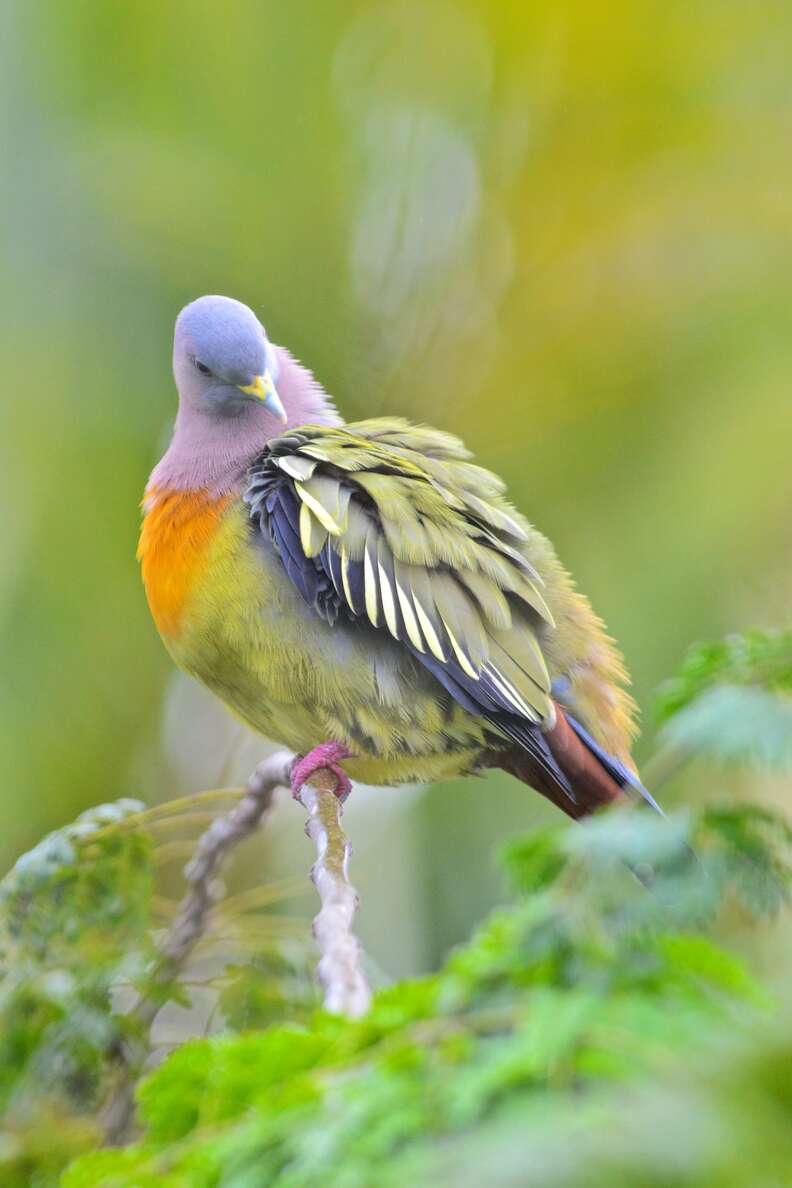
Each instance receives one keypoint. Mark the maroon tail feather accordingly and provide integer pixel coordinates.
(592, 786)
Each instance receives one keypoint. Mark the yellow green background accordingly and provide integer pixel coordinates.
(563, 230)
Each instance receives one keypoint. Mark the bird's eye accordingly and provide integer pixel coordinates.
(204, 370)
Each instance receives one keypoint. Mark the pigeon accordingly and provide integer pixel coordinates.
(363, 593)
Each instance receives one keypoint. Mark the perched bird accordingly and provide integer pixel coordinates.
(363, 592)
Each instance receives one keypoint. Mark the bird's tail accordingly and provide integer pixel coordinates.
(581, 776)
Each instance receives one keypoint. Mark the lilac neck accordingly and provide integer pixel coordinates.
(213, 453)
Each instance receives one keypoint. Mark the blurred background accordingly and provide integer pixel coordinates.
(562, 230)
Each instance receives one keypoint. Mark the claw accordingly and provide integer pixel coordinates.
(325, 756)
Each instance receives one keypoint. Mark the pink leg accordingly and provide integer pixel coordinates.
(326, 755)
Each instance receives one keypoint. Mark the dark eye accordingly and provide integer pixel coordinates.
(204, 370)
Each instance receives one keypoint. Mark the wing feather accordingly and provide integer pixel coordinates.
(389, 522)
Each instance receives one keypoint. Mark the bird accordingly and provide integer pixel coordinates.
(363, 593)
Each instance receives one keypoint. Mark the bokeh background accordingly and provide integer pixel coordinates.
(560, 229)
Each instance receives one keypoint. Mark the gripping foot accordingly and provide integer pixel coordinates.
(327, 755)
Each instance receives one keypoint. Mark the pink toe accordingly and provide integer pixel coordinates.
(327, 756)
(343, 782)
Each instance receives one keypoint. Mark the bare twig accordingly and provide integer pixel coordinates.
(188, 927)
(346, 991)
(213, 847)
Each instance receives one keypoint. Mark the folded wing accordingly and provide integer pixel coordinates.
(389, 523)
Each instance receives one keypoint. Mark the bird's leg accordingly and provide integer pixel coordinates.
(327, 755)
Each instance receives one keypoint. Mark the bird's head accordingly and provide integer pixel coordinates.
(222, 359)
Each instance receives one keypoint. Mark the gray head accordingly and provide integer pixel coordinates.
(222, 359)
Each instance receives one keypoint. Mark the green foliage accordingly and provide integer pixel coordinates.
(73, 917)
(592, 976)
(74, 914)
(721, 1120)
(85, 886)
(732, 700)
(78, 920)
(274, 985)
(736, 723)
(758, 659)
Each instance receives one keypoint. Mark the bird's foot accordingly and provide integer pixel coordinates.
(327, 756)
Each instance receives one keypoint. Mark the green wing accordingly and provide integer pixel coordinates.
(390, 522)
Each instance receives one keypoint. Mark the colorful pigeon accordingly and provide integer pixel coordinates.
(363, 592)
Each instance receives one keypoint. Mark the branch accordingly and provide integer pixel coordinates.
(211, 851)
(189, 925)
(346, 991)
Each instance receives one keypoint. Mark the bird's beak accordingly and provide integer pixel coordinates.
(263, 387)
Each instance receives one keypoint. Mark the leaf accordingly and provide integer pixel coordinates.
(750, 846)
(276, 985)
(696, 958)
(208, 1080)
(759, 658)
(535, 861)
(734, 723)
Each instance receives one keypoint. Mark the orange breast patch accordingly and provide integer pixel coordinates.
(178, 527)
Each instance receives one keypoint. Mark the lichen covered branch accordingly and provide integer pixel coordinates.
(346, 991)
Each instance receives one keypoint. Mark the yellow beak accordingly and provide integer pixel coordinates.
(263, 387)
